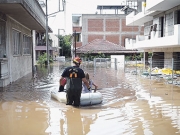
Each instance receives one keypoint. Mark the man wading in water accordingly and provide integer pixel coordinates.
(74, 76)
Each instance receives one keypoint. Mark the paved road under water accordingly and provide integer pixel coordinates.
(132, 105)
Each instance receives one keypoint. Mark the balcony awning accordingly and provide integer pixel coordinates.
(162, 5)
(32, 17)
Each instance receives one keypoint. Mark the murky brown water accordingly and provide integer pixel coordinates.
(131, 105)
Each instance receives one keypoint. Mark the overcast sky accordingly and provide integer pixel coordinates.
(75, 7)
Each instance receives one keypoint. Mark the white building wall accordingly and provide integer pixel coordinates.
(20, 65)
(54, 40)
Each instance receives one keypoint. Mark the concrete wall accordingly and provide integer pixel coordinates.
(120, 61)
(108, 27)
(19, 65)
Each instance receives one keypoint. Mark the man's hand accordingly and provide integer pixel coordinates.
(61, 88)
(89, 88)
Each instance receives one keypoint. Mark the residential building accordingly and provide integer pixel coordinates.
(41, 47)
(55, 45)
(109, 27)
(20, 20)
(161, 21)
(77, 28)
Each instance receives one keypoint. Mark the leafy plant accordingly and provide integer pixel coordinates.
(43, 59)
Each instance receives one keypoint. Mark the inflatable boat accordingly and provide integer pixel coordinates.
(86, 98)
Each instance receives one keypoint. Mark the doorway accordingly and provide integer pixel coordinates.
(162, 26)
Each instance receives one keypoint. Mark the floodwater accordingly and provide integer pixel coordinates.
(132, 105)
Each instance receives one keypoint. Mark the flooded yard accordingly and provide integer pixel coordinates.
(132, 105)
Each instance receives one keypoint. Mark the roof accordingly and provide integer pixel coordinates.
(103, 46)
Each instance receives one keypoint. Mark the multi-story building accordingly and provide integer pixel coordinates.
(161, 21)
(110, 27)
(20, 20)
(41, 47)
(77, 28)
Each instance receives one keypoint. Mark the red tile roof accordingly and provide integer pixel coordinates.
(102, 46)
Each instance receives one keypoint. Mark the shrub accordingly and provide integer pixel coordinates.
(42, 60)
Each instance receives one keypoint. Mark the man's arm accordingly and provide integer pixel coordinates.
(86, 83)
(95, 87)
(61, 80)
(61, 87)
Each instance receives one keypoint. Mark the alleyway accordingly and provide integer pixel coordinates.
(131, 105)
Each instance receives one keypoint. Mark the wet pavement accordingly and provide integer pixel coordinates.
(131, 105)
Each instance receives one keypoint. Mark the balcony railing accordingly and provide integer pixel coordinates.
(153, 41)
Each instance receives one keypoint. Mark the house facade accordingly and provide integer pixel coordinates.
(161, 21)
(110, 27)
(19, 22)
(41, 47)
(77, 28)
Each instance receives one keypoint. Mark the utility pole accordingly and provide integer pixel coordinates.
(47, 44)
(47, 38)
(75, 43)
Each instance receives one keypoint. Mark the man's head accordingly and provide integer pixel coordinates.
(77, 61)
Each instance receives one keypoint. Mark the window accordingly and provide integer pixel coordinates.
(26, 44)
(16, 42)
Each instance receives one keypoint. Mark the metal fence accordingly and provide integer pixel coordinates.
(164, 68)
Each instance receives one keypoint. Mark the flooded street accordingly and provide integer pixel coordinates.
(132, 105)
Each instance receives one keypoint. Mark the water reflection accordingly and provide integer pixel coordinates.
(19, 118)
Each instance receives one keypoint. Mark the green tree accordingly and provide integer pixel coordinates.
(65, 44)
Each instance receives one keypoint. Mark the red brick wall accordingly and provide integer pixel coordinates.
(115, 30)
(112, 25)
(93, 37)
(128, 28)
(78, 29)
(95, 25)
(78, 44)
(113, 38)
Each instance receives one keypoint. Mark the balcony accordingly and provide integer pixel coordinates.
(161, 5)
(139, 19)
(153, 7)
(143, 42)
(27, 12)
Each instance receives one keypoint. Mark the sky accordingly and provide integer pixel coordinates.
(61, 20)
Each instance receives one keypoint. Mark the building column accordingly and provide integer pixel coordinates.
(34, 45)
